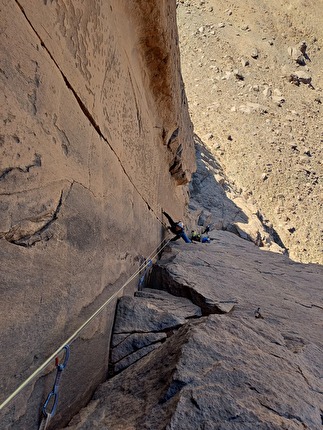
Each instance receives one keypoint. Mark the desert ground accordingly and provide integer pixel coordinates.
(253, 77)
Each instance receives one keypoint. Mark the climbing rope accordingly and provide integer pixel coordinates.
(66, 345)
(45, 422)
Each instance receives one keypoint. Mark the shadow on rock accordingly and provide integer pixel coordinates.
(215, 201)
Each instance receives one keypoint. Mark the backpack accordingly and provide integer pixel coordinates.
(195, 236)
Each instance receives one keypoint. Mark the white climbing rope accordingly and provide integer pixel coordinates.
(74, 336)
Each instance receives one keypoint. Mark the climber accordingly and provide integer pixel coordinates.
(197, 237)
(177, 228)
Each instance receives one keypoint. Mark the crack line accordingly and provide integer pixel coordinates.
(42, 188)
(72, 182)
(24, 240)
(86, 111)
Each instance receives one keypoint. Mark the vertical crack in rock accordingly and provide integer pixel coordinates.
(84, 108)
(137, 106)
(176, 166)
(300, 371)
(172, 138)
(195, 403)
(89, 161)
(65, 145)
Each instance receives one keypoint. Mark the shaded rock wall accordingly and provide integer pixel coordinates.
(95, 138)
(216, 201)
(248, 368)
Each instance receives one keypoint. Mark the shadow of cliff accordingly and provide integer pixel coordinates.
(209, 200)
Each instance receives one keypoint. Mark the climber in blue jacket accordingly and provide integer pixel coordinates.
(177, 228)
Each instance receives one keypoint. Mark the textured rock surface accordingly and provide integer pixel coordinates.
(241, 370)
(143, 316)
(143, 322)
(230, 269)
(95, 138)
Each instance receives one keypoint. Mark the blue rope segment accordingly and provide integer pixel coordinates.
(53, 395)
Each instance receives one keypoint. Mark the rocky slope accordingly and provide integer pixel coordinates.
(262, 126)
(230, 339)
(215, 201)
(95, 139)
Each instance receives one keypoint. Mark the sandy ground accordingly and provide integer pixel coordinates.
(266, 131)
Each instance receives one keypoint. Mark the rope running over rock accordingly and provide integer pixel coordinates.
(75, 335)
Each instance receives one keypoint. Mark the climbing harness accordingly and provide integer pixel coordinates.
(53, 395)
(65, 347)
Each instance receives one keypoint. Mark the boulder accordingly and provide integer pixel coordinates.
(277, 97)
(143, 322)
(250, 107)
(301, 77)
(298, 53)
(135, 315)
(254, 53)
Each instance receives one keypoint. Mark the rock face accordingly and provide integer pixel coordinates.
(95, 139)
(143, 322)
(258, 366)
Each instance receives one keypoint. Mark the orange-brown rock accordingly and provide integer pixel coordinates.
(95, 139)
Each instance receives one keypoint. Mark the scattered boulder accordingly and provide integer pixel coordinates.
(267, 92)
(208, 136)
(298, 53)
(250, 107)
(254, 53)
(277, 97)
(301, 77)
(238, 75)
